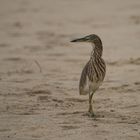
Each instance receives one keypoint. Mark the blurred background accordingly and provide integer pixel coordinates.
(40, 69)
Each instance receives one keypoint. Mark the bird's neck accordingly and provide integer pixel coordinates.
(97, 50)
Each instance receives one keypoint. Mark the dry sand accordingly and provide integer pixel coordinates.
(40, 70)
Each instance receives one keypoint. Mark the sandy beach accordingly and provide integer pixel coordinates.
(40, 70)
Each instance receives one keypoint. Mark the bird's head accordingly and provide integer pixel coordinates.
(94, 39)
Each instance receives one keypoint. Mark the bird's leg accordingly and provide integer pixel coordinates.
(90, 104)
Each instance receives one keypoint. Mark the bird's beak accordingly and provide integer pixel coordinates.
(80, 40)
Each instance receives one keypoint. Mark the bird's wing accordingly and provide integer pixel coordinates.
(83, 84)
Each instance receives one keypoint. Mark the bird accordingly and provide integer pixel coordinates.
(94, 71)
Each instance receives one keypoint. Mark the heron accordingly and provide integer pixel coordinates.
(94, 71)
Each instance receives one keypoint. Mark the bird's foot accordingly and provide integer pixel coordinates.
(90, 114)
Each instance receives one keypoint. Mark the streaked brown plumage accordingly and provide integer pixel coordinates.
(94, 71)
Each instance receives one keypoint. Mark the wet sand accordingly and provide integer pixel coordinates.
(40, 70)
